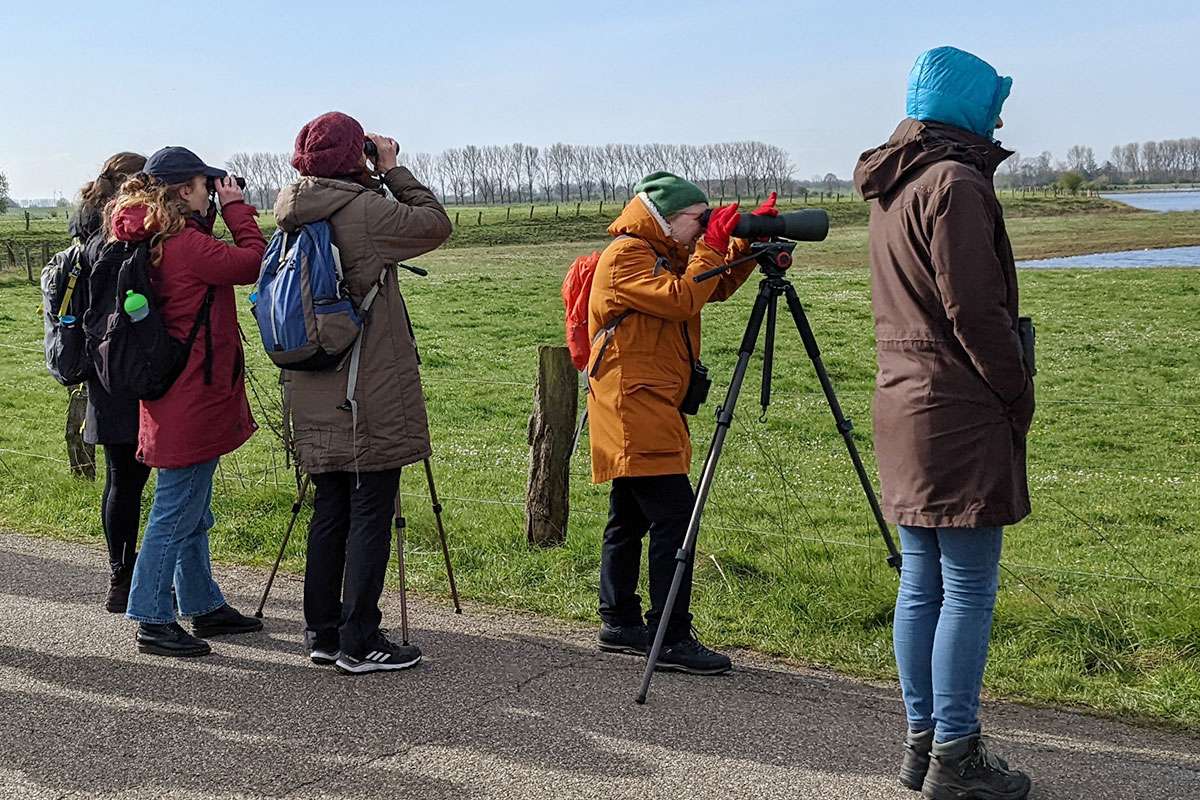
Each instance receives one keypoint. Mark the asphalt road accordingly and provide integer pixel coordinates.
(504, 706)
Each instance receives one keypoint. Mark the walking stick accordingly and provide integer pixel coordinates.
(301, 491)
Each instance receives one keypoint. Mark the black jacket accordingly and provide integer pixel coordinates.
(109, 421)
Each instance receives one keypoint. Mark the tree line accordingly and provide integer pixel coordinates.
(521, 173)
(1166, 161)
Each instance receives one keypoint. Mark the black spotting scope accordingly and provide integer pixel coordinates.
(805, 225)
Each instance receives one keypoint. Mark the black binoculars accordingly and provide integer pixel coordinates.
(238, 179)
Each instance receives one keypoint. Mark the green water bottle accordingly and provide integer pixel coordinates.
(136, 306)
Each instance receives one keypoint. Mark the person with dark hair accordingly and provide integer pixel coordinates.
(954, 400)
(354, 438)
(644, 323)
(204, 414)
(111, 422)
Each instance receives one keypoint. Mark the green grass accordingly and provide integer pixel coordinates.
(788, 562)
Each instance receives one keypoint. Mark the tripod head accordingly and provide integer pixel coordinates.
(773, 256)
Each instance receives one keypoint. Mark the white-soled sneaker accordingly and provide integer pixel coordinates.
(381, 656)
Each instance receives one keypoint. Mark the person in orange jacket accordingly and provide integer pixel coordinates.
(644, 323)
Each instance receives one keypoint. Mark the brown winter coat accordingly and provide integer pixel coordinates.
(635, 424)
(371, 231)
(953, 400)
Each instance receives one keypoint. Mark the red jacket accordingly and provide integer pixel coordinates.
(194, 423)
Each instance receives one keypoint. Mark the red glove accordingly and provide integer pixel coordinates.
(720, 227)
(767, 209)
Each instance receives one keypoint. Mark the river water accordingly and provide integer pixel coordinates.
(1136, 259)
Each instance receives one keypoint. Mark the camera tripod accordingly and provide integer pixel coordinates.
(399, 524)
(774, 257)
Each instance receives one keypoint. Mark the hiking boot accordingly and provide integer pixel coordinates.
(118, 590)
(688, 655)
(381, 656)
(225, 620)
(169, 640)
(633, 639)
(963, 769)
(322, 647)
(917, 745)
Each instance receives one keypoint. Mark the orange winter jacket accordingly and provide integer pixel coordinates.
(639, 379)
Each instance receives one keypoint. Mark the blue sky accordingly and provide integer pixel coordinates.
(823, 80)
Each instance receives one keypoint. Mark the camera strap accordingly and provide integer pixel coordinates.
(687, 340)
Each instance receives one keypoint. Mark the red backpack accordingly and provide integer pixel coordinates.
(576, 289)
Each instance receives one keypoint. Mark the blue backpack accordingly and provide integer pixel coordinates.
(306, 318)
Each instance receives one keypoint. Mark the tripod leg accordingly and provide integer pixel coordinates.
(303, 490)
(578, 433)
(437, 516)
(724, 419)
(400, 524)
(768, 357)
(844, 426)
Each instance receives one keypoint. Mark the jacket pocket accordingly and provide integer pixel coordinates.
(650, 415)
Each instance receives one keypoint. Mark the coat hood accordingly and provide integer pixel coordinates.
(311, 199)
(956, 88)
(85, 222)
(129, 224)
(642, 220)
(916, 145)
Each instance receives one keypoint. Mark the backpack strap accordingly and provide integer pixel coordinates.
(203, 317)
(610, 327)
(355, 359)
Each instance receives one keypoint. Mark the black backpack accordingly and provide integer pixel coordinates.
(140, 360)
(64, 302)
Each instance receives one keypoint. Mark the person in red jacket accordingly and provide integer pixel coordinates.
(204, 414)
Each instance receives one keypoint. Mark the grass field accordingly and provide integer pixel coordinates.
(1100, 599)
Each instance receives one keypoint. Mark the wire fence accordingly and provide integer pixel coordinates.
(792, 520)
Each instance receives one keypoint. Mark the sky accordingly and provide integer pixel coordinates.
(823, 80)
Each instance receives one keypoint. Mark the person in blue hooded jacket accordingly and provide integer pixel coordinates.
(953, 405)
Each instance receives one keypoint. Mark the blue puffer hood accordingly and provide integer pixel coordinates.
(956, 88)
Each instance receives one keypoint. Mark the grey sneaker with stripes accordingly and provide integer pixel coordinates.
(382, 656)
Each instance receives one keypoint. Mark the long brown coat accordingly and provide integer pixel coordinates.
(953, 400)
(635, 424)
(371, 231)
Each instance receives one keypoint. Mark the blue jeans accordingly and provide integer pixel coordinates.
(943, 623)
(175, 549)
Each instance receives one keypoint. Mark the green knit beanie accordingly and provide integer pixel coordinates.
(670, 193)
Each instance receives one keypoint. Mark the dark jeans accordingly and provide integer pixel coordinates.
(662, 505)
(121, 504)
(349, 543)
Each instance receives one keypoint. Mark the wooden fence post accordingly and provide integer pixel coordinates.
(80, 454)
(531, 211)
(479, 221)
(551, 431)
(29, 263)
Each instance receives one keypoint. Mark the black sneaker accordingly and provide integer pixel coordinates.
(963, 769)
(916, 759)
(688, 655)
(225, 620)
(118, 590)
(381, 656)
(632, 639)
(169, 640)
(322, 647)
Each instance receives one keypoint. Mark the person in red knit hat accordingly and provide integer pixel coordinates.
(380, 214)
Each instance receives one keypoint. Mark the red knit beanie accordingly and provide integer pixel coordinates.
(329, 146)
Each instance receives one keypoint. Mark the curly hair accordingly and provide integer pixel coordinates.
(166, 212)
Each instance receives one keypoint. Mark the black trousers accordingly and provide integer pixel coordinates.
(662, 506)
(121, 504)
(349, 543)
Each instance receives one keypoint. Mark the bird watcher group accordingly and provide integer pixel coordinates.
(163, 358)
